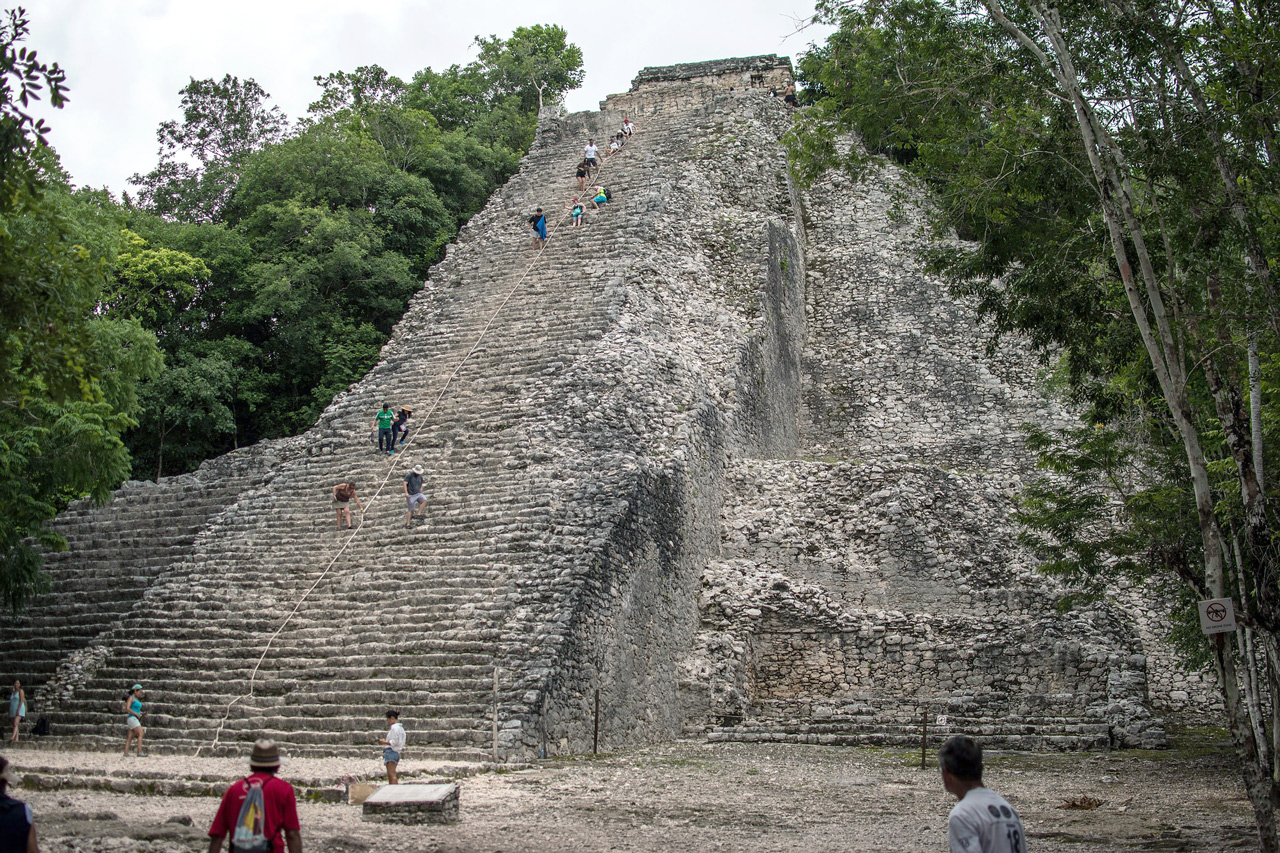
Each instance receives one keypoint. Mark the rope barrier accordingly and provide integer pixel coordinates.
(395, 463)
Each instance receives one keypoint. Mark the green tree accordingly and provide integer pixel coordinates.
(1114, 163)
(272, 267)
(534, 63)
(22, 78)
(224, 121)
(68, 376)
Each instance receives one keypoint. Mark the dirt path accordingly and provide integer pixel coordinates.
(700, 797)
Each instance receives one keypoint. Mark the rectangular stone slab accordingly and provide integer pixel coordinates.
(358, 792)
(412, 804)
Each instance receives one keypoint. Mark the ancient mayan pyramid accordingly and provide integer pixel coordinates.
(724, 458)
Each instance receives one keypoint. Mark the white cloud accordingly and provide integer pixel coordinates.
(126, 61)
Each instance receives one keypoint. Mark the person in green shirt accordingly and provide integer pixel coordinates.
(383, 420)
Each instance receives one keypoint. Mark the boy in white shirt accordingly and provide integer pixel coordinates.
(983, 821)
(394, 742)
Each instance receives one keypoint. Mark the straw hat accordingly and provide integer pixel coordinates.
(265, 754)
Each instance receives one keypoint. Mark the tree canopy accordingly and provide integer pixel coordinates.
(1112, 167)
(312, 238)
(257, 272)
(68, 375)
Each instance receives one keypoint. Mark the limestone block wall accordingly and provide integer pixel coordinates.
(711, 328)
(877, 577)
(722, 456)
(673, 88)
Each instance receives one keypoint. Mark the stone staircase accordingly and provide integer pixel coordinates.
(561, 414)
(115, 556)
(656, 504)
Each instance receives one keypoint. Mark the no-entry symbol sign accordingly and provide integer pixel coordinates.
(1217, 616)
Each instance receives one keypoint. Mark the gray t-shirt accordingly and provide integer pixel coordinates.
(984, 822)
(414, 482)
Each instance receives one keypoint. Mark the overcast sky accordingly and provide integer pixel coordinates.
(126, 59)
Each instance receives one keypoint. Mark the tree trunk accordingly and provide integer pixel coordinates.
(1124, 226)
(1255, 411)
(1260, 786)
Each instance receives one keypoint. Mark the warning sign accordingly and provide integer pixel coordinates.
(1217, 616)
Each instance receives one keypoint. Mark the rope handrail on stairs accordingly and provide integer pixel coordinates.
(392, 468)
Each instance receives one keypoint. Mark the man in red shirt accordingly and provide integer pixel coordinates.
(281, 806)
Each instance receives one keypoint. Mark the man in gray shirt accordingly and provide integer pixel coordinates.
(983, 821)
(413, 493)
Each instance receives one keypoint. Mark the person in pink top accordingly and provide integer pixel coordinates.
(279, 803)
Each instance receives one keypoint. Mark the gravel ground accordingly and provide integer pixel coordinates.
(696, 797)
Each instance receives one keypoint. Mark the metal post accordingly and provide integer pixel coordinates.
(595, 734)
(495, 715)
(542, 728)
(924, 738)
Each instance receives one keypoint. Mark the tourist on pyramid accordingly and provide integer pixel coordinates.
(259, 808)
(600, 195)
(983, 821)
(400, 429)
(413, 493)
(17, 707)
(539, 224)
(576, 213)
(382, 422)
(789, 94)
(589, 153)
(343, 495)
(627, 127)
(133, 717)
(394, 743)
(614, 145)
(581, 175)
(17, 826)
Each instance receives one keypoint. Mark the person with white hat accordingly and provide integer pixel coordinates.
(17, 826)
(413, 493)
(133, 718)
(276, 818)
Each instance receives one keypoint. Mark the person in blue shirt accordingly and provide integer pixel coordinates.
(539, 223)
(133, 717)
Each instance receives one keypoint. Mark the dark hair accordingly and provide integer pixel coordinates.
(4, 765)
(395, 714)
(386, 405)
(961, 756)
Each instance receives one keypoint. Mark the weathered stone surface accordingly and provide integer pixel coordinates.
(723, 457)
(412, 804)
(877, 581)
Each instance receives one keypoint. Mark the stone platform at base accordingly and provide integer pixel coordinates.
(411, 804)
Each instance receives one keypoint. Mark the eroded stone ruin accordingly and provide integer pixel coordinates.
(725, 458)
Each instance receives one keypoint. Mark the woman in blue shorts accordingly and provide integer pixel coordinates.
(133, 717)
